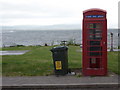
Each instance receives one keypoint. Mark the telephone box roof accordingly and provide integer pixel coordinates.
(94, 9)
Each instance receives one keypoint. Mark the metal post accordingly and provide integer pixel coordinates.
(111, 41)
(63, 42)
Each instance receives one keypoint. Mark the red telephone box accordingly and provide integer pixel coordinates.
(94, 59)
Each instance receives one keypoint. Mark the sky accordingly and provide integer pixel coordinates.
(53, 12)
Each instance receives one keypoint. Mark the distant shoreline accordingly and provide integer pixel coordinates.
(9, 29)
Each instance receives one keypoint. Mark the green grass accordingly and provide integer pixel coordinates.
(38, 61)
(113, 62)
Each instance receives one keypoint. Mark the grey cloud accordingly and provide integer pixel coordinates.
(34, 9)
(30, 15)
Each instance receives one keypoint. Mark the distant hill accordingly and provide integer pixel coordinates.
(37, 27)
(48, 27)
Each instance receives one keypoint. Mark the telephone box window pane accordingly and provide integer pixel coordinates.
(94, 42)
(95, 48)
(91, 31)
(95, 37)
(94, 25)
(91, 37)
(95, 31)
(98, 25)
(91, 25)
(98, 31)
(95, 53)
(95, 62)
(98, 36)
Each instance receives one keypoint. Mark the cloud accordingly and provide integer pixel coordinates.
(56, 10)
(41, 21)
(32, 10)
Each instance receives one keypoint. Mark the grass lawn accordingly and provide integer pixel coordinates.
(38, 61)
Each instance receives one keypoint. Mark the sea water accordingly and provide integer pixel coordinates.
(49, 37)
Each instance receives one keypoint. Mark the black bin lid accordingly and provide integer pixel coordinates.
(59, 48)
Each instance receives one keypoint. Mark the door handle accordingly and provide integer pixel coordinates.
(104, 42)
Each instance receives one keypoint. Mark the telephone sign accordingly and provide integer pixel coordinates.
(94, 16)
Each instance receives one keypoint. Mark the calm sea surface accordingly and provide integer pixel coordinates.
(51, 37)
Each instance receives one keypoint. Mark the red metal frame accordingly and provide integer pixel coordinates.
(94, 60)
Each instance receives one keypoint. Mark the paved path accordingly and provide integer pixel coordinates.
(11, 81)
(67, 82)
(20, 52)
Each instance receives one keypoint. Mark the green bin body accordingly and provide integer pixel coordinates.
(60, 60)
